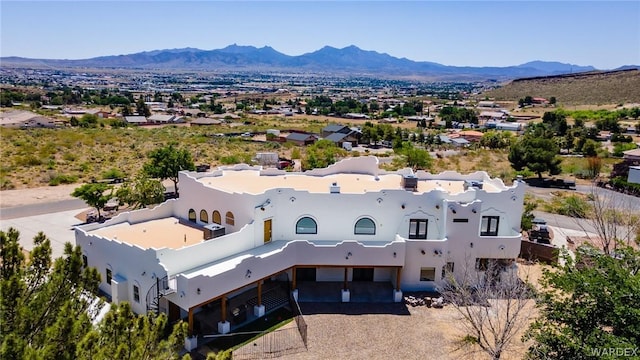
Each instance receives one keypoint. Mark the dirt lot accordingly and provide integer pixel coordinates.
(11, 198)
(386, 331)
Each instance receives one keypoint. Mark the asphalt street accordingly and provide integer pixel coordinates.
(41, 208)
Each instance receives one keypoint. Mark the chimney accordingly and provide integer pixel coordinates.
(334, 188)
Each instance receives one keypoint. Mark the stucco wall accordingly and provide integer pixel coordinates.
(132, 264)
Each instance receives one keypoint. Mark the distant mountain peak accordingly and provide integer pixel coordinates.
(350, 59)
(556, 67)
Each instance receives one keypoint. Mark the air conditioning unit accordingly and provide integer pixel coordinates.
(213, 231)
(410, 183)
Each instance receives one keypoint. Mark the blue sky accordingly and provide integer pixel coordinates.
(605, 34)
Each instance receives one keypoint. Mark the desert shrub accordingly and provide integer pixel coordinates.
(84, 167)
(28, 160)
(237, 158)
(113, 173)
(57, 179)
(69, 156)
(568, 205)
(6, 184)
(525, 173)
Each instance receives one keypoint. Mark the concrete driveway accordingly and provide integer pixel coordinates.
(57, 226)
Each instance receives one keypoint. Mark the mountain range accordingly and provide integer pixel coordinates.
(349, 60)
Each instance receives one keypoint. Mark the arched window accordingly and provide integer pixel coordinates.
(192, 215)
(216, 217)
(229, 218)
(306, 225)
(365, 226)
(204, 217)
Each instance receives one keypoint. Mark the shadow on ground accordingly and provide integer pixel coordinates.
(313, 308)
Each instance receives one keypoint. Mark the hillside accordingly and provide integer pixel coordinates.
(595, 88)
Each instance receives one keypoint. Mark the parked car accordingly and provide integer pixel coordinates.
(559, 183)
(285, 163)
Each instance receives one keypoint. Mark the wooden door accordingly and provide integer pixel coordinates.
(267, 231)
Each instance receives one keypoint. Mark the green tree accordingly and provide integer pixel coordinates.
(590, 148)
(95, 195)
(88, 121)
(526, 221)
(45, 310)
(125, 335)
(141, 192)
(588, 305)
(126, 110)
(166, 162)
(496, 139)
(414, 157)
(321, 154)
(142, 109)
(44, 304)
(557, 121)
(538, 154)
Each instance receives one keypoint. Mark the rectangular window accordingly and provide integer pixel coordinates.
(460, 220)
(482, 264)
(489, 226)
(418, 229)
(85, 261)
(447, 269)
(109, 276)
(428, 274)
(136, 294)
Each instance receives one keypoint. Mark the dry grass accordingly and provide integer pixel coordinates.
(595, 88)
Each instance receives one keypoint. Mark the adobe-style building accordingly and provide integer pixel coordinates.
(237, 229)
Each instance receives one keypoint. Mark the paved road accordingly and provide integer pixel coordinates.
(40, 209)
(565, 222)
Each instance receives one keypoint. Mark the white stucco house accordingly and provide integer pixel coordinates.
(234, 229)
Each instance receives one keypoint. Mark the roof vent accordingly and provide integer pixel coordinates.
(334, 188)
(410, 182)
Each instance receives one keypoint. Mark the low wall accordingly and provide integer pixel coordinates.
(540, 252)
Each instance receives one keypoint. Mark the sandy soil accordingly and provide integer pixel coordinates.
(11, 198)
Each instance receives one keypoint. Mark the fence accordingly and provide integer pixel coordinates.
(283, 341)
(271, 345)
(300, 323)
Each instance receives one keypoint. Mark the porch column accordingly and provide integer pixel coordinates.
(190, 321)
(294, 289)
(397, 293)
(346, 272)
(293, 280)
(346, 295)
(259, 309)
(223, 303)
(223, 326)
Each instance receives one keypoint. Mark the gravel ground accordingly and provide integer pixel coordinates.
(384, 331)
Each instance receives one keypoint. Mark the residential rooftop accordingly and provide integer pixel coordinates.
(252, 182)
(161, 233)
